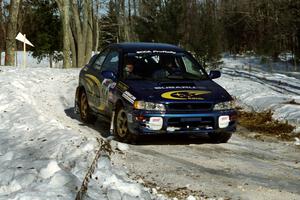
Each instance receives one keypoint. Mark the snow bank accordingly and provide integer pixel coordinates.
(45, 152)
(259, 90)
(40, 157)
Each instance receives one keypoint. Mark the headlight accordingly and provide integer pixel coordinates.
(142, 105)
(224, 105)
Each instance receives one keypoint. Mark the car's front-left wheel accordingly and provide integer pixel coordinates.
(85, 113)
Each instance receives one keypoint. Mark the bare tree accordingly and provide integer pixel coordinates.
(96, 25)
(82, 30)
(134, 7)
(12, 32)
(2, 30)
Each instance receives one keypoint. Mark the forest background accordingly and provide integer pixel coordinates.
(72, 29)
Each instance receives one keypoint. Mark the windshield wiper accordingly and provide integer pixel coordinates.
(194, 77)
(175, 76)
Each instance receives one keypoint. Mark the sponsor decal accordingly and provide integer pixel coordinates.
(108, 85)
(155, 51)
(185, 94)
(122, 86)
(129, 97)
(178, 87)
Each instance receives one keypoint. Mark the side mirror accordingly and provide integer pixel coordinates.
(109, 75)
(213, 74)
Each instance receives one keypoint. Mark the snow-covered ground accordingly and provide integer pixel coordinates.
(258, 90)
(45, 152)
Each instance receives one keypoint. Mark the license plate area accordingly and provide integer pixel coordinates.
(191, 122)
(191, 119)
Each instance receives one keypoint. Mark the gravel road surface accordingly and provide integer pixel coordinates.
(244, 168)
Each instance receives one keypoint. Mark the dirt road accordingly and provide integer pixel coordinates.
(241, 169)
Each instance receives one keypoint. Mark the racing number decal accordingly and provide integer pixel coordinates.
(100, 91)
(107, 86)
(185, 95)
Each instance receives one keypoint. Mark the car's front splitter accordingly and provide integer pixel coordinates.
(195, 123)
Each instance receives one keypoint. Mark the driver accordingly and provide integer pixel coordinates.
(128, 68)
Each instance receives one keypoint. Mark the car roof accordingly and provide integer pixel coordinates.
(132, 47)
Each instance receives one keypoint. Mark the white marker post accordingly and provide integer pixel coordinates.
(23, 39)
(24, 52)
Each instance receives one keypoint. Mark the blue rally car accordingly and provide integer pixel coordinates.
(151, 88)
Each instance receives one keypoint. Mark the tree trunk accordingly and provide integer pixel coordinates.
(126, 28)
(134, 8)
(96, 34)
(96, 28)
(12, 32)
(2, 31)
(64, 7)
(89, 32)
(73, 49)
(78, 34)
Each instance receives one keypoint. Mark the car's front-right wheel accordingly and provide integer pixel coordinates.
(121, 130)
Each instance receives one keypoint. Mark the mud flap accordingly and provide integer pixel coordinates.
(76, 106)
(112, 123)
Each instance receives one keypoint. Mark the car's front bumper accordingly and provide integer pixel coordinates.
(190, 123)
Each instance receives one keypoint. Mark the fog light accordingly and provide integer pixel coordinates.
(224, 121)
(155, 123)
(140, 118)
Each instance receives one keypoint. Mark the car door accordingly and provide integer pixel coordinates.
(93, 84)
(111, 63)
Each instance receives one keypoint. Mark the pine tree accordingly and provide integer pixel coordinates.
(43, 29)
(109, 25)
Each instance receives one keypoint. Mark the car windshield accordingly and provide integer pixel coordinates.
(162, 66)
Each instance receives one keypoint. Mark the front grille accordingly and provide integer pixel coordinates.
(194, 122)
(189, 107)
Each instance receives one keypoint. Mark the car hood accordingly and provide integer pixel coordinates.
(206, 90)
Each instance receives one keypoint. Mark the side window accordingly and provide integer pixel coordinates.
(190, 67)
(111, 62)
(100, 59)
(93, 58)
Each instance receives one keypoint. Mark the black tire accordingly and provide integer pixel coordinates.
(121, 131)
(85, 113)
(222, 137)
